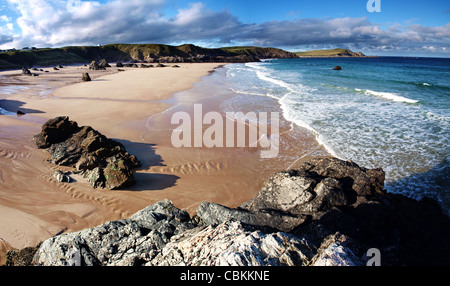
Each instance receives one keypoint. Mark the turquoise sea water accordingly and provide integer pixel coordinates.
(386, 112)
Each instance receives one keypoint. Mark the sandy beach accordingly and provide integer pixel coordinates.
(130, 107)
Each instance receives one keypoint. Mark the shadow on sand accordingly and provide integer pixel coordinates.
(146, 154)
(15, 105)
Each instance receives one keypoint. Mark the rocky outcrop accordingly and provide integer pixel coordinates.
(26, 71)
(104, 162)
(102, 65)
(85, 77)
(328, 212)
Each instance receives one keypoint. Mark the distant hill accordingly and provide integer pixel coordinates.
(136, 53)
(330, 53)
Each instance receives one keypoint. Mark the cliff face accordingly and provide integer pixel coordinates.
(137, 52)
(327, 212)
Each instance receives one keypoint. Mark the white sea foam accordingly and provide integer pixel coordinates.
(388, 95)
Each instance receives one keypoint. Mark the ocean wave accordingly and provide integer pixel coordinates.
(387, 95)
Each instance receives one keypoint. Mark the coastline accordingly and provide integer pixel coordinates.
(121, 105)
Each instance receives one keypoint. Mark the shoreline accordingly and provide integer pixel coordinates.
(187, 176)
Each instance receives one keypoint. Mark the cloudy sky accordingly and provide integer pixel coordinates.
(403, 27)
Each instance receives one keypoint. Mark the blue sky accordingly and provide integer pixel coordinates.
(403, 27)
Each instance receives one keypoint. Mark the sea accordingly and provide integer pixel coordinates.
(380, 112)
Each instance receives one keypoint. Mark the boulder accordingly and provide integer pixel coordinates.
(317, 186)
(54, 131)
(118, 175)
(213, 214)
(26, 71)
(337, 68)
(85, 77)
(119, 64)
(62, 177)
(231, 243)
(103, 64)
(104, 162)
(95, 66)
(122, 243)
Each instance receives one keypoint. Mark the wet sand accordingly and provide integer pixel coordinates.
(135, 108)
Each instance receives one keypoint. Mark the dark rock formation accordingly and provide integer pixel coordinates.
(103, 64)
(95, 66)
(26, 71)
(104, 162)
(337, 68)
(328, 212)
(85, 77)
(119, 65)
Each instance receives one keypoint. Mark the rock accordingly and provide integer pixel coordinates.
(26, 71)
(318, 186)
(54, 131)
(175, 66)
(332, 212)
(55, 68)
(22, 257)
(105, 162)
(337, 68)
(103, 64)
(232, 244)
(212, 214)
(95, 177)
(337, 250)
(160, 65)
(95, 66)
(20, 113)
(62, 177)
(119, 65)
(124, 242)
(85, 77)
(117, 175)
(60, 66)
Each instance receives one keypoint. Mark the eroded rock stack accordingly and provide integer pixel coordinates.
(327, 212)
(104, 162)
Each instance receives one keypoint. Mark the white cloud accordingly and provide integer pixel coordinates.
(5, 18)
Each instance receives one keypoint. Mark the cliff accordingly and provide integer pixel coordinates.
(136, 52)
(330, 53)
(326, 212)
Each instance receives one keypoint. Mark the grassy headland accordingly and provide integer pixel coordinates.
(135, 52)
(330, 53)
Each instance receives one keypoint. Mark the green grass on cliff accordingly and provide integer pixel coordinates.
(124, 52)
(324, 53)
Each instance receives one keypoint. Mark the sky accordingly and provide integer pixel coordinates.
(401, 28)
